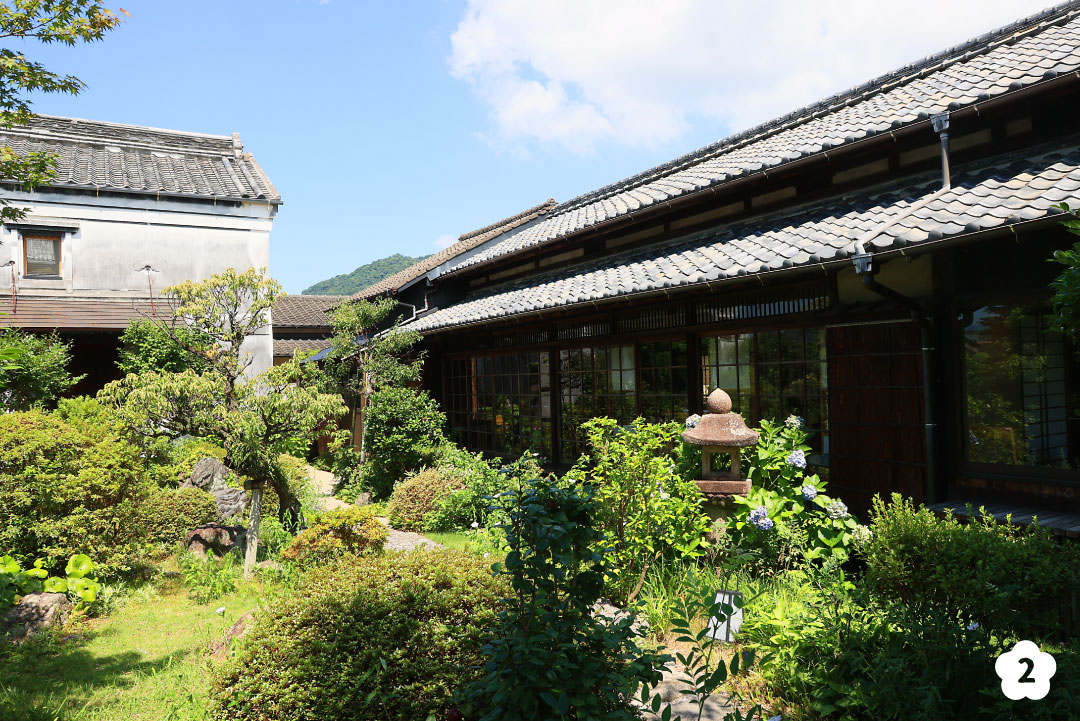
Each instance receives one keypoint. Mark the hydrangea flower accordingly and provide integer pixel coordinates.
(692, 421)
(861, 535)
(837, 510)
(797, 458)
(794, 421)
(973, 626)
(760, 518)
(809, 493)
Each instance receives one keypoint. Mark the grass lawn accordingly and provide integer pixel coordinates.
(451, 539)
(147, 661)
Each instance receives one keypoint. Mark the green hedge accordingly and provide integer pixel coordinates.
(388, 637)
(169, 514)
(63, 492)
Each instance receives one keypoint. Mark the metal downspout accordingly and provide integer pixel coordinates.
(864, 267)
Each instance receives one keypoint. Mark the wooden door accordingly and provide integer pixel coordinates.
(875, 413)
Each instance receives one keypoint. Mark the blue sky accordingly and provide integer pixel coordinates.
(396, 126)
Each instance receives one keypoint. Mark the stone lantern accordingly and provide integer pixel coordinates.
(721, 431)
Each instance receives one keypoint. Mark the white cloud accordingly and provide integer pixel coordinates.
(574, 73)
(444, 241)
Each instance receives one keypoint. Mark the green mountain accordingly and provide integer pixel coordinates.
(362, 277)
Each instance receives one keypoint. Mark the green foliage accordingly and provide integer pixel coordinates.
(173, 459)
(147, 346)
(1066, 287)
(831, 650)
(294, 474)
(64, 492)
(419, 495)
(402, 433)
(78, 580)
(799, 523)
(168, 514)
(385, 636)
(207, 578)
(704, 670)
(92, 418)
(363, 277)
(645, 507)
(998, 575)
(52, 21)
(551, 657)
(473, 505)
(335, 533)
(40, 373)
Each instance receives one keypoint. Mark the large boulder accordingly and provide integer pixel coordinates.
(215, 538)
(210, 474)
(36, 612)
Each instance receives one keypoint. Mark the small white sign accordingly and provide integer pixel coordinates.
(1025, 671)
(725, 630)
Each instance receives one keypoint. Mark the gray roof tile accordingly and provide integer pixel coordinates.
(780, 240)
(111, 156)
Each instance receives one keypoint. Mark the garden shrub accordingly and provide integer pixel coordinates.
(92, 418)
(998, 575)
(647, 509)
(831, 650)
(146, 346)
(787, 519)
(551, 657)
(402, 434)
(420, 494)
(473, 506)
(168, 514)
(171, 461)
(387, 636)
(63, 492)
(39, 375)
(335, 533)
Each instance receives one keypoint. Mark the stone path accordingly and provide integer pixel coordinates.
(683, 706)
(324, 483)
(406, 541)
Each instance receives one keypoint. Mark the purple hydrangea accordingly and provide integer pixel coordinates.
(794, 421)
(809, 493)
(797, 458)
(692, 421)
(837, 510)
(760, 518)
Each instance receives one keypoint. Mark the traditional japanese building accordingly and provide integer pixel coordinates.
(876, 263)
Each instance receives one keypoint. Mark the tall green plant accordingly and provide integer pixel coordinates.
(551, 657)
(1066, 287)
(145, 346)
(646, 508)
(37, 372)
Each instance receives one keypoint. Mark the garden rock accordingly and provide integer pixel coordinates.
(613, 614)
(36, 612)
(210, 475)
(216, 538)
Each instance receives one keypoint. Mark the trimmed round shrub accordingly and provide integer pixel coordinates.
(335, 533)
(63, 492)
(420, 495)
(169, 514)
(402, 434)
(389, 637)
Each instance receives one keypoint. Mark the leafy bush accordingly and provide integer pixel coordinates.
(88, 415)
(646, 508)
(169, 514)
(419, 495)
(146, 346)
(994, 574)
(78, 580)
(335, 533)
(387, 636)
(551, 657)
(171, 461)
(207, 578)
(831, 650)
(473, 504)
(296, 477)
(39, 375)
(786, 519)
(402, 434)
(63, 492)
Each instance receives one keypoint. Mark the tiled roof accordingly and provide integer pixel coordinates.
(304, 311)
(42, 313)
(288, 346)
(1010, 189)
(468, 241)
(1026, 52)
(110, 156)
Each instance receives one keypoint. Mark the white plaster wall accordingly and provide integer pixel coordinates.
(111, 237)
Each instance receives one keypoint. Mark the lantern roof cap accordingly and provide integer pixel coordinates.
(720, 427)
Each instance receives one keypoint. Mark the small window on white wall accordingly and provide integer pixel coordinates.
(41, 255)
